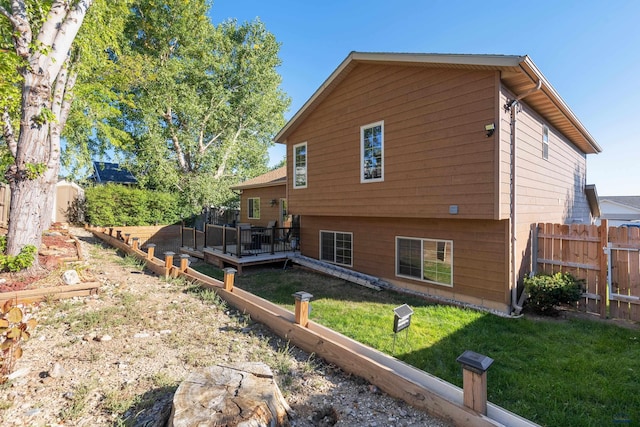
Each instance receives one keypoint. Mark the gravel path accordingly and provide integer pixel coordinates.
(116, 358)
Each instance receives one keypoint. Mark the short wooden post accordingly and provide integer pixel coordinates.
(135, 243)
(184, 262)
(110, 231)
(229, 278)
(168, 263)
(474, 380)
(126, 237)
(302, 307)
(151, 247)
(119, 234)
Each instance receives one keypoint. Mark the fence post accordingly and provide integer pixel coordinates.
(135, 243)
(126, 237)
(195, 237)
(110, 231)
(168, 263)
(229, 278)
(182, 235)
(151, 247)
(206, 226)
(302, 307)
(184, 262)
(119, 234)
(474, 380)
(602, 274)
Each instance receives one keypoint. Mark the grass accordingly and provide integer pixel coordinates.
(554, 372)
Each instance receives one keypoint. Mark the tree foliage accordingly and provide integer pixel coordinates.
(207, 103)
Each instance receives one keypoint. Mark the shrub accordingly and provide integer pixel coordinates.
(19, 262)
(112, 204)
(13, 330)
(546, 291)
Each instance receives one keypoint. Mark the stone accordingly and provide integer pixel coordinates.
(243, 394)
(57, 371)
(70, 277)
(103, 338)
(22, 372)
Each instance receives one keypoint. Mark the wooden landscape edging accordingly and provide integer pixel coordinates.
(396, 378)
(56, 292)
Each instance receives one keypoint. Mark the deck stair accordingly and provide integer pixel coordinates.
(340, 272)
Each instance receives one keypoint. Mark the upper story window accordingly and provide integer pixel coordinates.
(253, 208)
(545, 142)
(300, 165)
(372, 152)
(428, 260)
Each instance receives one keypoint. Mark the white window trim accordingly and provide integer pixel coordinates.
(306, 166)
(250, 211)
(545, 143)
(421, 239)
(334, 247)
(362, 128)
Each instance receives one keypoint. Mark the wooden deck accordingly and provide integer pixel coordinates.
(215, 256)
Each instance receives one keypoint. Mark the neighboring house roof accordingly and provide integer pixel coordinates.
(112, 172)
(269, 179)
(592, 199)
(626, 201)
(518, 73)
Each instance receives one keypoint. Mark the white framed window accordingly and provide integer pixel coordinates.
(336, 247)
(545, 142)
(372, 152)
(428, 260)
(253, 208)
(300, 165)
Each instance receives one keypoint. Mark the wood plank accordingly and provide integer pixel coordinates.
(56, 292)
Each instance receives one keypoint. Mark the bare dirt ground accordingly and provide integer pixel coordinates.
(116, 358)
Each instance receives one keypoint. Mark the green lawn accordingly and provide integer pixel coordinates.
(554, 372)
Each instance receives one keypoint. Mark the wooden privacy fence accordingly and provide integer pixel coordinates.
(606, 258)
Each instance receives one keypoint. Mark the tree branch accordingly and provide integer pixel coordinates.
(63, 35)
(22, 35)
(225, 157)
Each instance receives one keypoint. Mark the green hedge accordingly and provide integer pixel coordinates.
(546, 292)
(113, 205)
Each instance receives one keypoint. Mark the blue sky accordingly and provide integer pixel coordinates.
(588, 50)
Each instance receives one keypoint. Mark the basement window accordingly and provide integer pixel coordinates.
(336, 247)
(428, 260)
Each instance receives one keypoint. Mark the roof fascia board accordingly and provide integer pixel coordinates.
(622, 205)
(529, 68)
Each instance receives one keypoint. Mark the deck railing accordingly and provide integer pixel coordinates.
(248, 241)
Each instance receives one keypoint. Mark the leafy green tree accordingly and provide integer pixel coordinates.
(207, 103)
(41, 66)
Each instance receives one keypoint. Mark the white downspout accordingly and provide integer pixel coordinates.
(511, 106)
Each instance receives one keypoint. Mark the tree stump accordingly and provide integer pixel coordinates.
(243, 394)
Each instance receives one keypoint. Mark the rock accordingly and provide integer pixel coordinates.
(242, 394)
(103, 338)
(57, 371)
(70, 277)
(18, 374)
(141, 335)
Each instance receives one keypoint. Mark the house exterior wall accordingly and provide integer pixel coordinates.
(617, 213)
(480, 252)
(267, 211)
(548, 190)
(436, 153)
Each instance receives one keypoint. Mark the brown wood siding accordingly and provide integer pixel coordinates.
(480, 261)
(548, 190)
(436, 153)
(267, 212)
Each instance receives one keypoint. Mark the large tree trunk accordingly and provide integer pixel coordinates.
(29, 186)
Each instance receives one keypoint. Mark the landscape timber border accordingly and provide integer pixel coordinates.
(396, 378)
